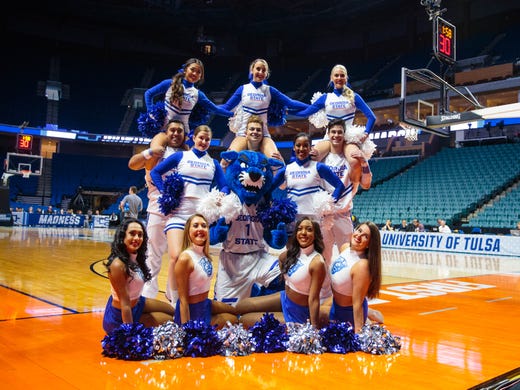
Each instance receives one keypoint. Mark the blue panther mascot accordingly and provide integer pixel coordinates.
(251, 220)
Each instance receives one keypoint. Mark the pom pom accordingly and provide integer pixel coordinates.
(151, 122)
(129, 342)
(318, 119)
(339, 337)
(236, 120)
(315, 97)
(276, 114)
(172, 194)
(304, 338)
(199, 116)
(377, 340)
(209, 205)
(231, 207)
(323, 203)
(201, 340)
(269, 335)
(354, 134)
(168, 341)
(236, 341)
(279, 210)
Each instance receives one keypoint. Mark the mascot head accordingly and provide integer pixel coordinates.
(249, 174)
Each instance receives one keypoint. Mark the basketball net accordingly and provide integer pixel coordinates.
(410, 134)
(25, 173)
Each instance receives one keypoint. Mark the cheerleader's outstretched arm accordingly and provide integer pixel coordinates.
(156, 90)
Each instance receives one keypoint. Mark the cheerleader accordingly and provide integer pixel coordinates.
(198, 170)
(193, 274)
(303, 269)
(304, 179)
(356, 276)
(258, 98)
(127, 273)
(181, 95)
(341, 103)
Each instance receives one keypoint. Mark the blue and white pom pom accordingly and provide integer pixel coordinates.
(129, 342)
(152, 122)
(279, 210)
(276, 114)
(269, 335)
(318, 119)
(339, 337)
(201, 340)
(173, 189)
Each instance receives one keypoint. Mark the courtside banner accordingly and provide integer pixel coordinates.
(481, 244)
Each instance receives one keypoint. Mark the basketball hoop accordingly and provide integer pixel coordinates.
(25, 173)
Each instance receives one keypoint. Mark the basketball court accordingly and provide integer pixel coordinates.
(457, 316)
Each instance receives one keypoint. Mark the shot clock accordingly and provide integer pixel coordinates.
(444, 45)
(24, 142)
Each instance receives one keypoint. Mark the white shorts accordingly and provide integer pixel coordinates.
(237, 273)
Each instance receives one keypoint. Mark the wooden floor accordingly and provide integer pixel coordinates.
(457, 315)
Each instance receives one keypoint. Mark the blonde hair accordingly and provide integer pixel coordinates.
(201, 128)
(251, 66)
(186, 240)
(347, 92)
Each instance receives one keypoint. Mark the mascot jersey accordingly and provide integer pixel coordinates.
(339, 165)
(338, 106)
(190, 97)
(153, 191)
(255, 99)
(340, 271)
(245, 233)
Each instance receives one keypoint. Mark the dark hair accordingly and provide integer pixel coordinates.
(118, 249)
(302, 134)
(373, 253)
(176, 86)
(336, 122)
(293, 246)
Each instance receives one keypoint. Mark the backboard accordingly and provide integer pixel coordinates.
(424, 102)
(16, 163)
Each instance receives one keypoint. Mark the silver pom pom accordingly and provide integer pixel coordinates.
(236, 341)
(377, 340)
(168, 341)
(304, 338)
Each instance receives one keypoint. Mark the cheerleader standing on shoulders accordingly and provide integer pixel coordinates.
(181, 95)
(342, 103)
(258, 98)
